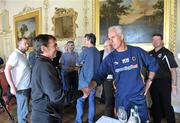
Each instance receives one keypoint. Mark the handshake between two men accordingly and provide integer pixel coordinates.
(93, 84)
(86, 90)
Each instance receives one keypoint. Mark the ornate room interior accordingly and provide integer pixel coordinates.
(70, 20)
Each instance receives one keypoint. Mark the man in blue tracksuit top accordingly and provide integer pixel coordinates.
(126, 63)
(89, 61)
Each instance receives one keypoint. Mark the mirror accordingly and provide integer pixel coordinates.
(64, 23)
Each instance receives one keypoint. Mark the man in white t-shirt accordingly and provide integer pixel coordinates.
(18, 75)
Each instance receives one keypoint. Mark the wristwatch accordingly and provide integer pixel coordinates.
(150, 79)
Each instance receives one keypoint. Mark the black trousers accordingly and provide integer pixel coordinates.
(71, 79)
(161, 100)
(109, 98)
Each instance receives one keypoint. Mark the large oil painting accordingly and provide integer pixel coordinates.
(139, 18)
(27, 25)
(26, 28)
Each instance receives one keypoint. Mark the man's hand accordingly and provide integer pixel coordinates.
(13, 90)
(86, 92)
(76, 68)
(148, 84)
(174, 90)
(70, 69)
(92, 84)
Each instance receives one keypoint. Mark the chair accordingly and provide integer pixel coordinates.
(2, 103)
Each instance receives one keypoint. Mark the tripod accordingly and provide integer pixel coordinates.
(2, 103)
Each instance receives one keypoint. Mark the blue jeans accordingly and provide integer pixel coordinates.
(80, 108)
(22, 98)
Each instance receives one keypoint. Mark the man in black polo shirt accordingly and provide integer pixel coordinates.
(164, 82)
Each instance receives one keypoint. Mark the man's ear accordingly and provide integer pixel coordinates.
(43, 48)
(122, 37)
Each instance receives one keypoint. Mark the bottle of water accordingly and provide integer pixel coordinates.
(136, 114)
(122, 114)
(132, 118)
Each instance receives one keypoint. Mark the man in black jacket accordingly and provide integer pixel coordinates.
(47, 89)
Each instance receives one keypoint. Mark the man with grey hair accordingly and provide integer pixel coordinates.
(47, 90)
(126, 64)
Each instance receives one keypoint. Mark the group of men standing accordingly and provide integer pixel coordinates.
(124, 66)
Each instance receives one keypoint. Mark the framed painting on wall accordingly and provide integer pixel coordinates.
(140, 19)
(64, 23)
(27, 25)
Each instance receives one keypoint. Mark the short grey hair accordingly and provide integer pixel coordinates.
(118, 28)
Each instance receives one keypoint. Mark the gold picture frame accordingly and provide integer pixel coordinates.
(169, 27)
(27, 24)
(64, 23)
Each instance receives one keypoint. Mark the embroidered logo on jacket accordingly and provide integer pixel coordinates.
(125, 60)
(126, 68)
(159, 55)
(116, 63)
(133, 58)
